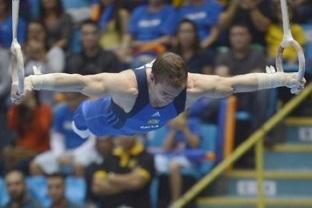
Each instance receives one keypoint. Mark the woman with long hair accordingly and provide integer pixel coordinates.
(57, 23)
(188, 46)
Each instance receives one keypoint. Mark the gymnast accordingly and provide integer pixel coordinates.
(144, 99)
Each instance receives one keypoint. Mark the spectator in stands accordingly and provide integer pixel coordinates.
(182, 135)
(188, 46)
(103, 149)
(93, 59)
(256, 14)
(68, 150)
(6, 26)
(31, 121)
(16, 187)
(239, 59)
(205, 14)
(275, 35)
(113, 23)
(57, 23)
(125, 178)
(56, 191)
(148, 30)
(37, 53)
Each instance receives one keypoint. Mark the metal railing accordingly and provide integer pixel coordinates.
(255, 139)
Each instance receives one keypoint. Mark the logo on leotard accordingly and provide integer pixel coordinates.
(153, 121)
(157, 114)
(150, 127)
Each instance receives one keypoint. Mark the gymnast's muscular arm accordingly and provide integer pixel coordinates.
(218, 87)
(102, 84)
(112, 84)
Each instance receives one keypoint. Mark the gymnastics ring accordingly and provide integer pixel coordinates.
(18, 74)
(288, 40)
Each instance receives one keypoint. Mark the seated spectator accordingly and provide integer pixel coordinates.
(58, 24)
(113, 23)
(188, 46)
(241, 58)
(103, 149)
(124, 179)
(182, 135)
(68, 150)
(31, 121)
(254, 108)
(275, 35)
(256, 14)
(93, 59)
(37, 54)
(205, 14)
(56, 191)
(6, 26)
(148, 31)
(17, 190)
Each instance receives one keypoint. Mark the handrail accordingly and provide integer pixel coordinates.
(260, 173)
(250, 142)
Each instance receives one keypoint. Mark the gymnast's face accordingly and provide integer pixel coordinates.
(165, 93)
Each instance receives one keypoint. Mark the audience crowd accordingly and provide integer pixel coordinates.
(38, 148)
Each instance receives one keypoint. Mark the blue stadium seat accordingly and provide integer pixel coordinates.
(37, 186)
(76, 189)
(4, 198)
(156, 138)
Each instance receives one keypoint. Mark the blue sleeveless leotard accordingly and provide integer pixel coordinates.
(103, 117)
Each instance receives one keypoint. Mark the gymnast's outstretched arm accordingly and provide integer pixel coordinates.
(218, 87)
(103, 84)
(91, 85)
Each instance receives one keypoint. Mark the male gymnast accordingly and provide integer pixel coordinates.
(145, 99)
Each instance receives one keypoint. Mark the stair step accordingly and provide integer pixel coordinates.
(298, 130)
(282, 185)
(287, 160)
(235, 202)
(298, 121)
(307, 175)
(299, 134)
(294, 148)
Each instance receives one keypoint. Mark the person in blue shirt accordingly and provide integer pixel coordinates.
(147, 28)
(67, 148)
(182, 138)
(138, 101)
(205, 14)
(6, 26)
